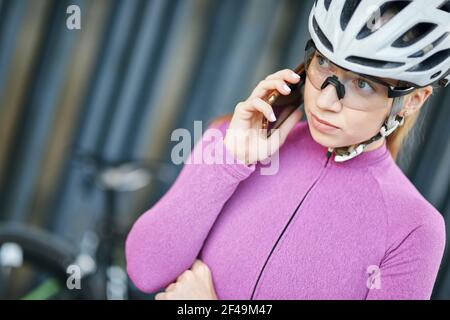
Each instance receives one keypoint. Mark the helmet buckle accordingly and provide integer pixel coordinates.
(398, 122)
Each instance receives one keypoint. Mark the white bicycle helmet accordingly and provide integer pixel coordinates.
(402, 40)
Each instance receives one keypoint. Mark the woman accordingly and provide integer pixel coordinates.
(339, 219)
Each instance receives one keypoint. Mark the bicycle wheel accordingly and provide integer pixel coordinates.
(48, 256)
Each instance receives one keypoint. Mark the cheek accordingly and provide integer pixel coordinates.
(363, 125)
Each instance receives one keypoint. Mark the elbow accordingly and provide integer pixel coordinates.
(139, 270)
(154, 258)
(140, 281)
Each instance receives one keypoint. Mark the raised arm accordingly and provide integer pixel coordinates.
(166, 239)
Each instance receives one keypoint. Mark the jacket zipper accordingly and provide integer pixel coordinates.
(328, 156)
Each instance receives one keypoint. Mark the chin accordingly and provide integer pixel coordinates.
(326, 140)
(320, 138)
(334, 139)
(330, 141)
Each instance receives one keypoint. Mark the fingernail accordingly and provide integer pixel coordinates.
(295, 76)
(286, 88)
(272, 117)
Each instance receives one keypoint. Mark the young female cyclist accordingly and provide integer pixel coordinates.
(339, 220)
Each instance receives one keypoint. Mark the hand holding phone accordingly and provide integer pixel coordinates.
(283, 106)
(243, 138)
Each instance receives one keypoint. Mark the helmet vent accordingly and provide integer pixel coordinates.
(381, 17)
(347, 12)
(445, 6)
(413, 35)
(374, 63)
(432, 61)
(434, 76)
(430, 47)
(322, 37)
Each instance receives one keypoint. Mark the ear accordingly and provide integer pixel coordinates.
(416, 100)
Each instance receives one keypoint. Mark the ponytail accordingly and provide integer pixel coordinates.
(396, 140)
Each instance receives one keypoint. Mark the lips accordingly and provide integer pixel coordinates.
(323, 121)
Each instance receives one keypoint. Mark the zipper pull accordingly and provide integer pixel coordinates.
(329, 153)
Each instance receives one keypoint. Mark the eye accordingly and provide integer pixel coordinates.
(364, 85)
(322, 61)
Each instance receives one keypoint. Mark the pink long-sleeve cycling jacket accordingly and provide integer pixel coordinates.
(317, 229)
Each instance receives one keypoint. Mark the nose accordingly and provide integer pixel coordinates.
(328, 99)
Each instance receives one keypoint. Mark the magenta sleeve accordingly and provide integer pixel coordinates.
(165, 240)
(408, 271)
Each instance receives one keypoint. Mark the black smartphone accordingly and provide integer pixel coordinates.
(283, 106)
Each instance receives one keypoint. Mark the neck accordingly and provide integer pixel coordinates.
(375, 145)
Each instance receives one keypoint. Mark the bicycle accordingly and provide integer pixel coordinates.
(61, 266)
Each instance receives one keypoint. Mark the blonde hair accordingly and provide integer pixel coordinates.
(396, 140)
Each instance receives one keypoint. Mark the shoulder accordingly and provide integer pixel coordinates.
(408, 212)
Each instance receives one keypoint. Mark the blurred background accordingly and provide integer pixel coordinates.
(86, 117)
